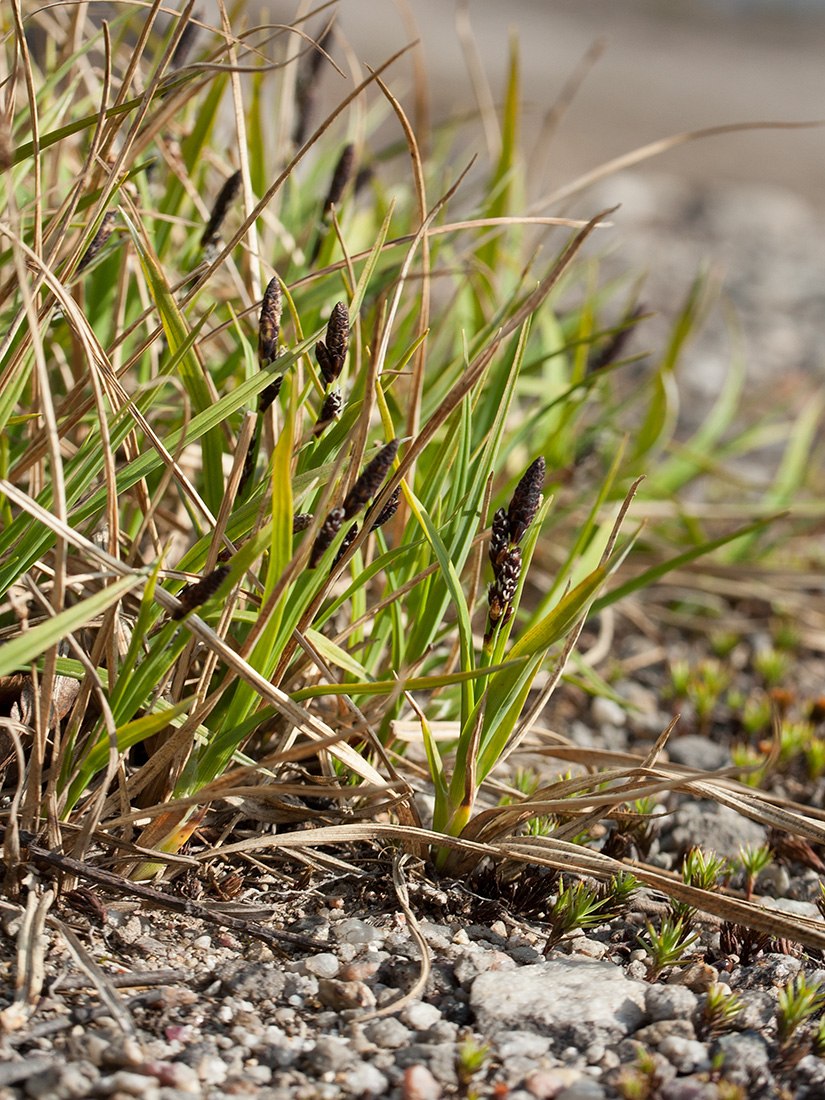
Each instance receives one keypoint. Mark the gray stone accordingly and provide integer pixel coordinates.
(688, 1088)
(810, 1072)
(323, 965)
(586, 1088)
(687, 1055)
(365, 1079)
(772, 972)
(711, 826)
(575, 1002)
(657, 1033)
(388, 1033)
(695, 751)
(420, 1016)
(330, 1054)
(521, 1044)
(607, 712)
(744, 1054)
(670, 1002)
(438, 1057)
(356, 931)
(255, 982)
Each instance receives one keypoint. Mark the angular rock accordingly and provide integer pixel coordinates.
(576, 1002)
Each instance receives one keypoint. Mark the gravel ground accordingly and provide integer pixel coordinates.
(206, 1012)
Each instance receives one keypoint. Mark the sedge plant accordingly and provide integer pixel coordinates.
(286, 416)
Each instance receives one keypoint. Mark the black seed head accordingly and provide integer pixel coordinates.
(100, 238)
(269, 324)
(349, 539)
(269, 394)
(499, 539)
(329, 411)
(388, 511)
(370, 480)
(250, 458)
(307, 86)
(331, 353)
(340, 177)
(612, 350)
(193, 595)
(329, 529)
(509, 574)
(300, 521)
(526, 500)
(185, 43)
(226, 197)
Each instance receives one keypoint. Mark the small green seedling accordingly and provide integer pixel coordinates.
(797, 1002)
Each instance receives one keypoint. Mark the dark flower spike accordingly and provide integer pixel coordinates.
(300, 521)
(270, 393)
(100, 238)
(526, 500)
(185, 43)
(250, 460)
(193, 595)
(330, 354)
(329, 529)
(388, 511)
(368, 484)
(340, 178)
(269, 324)
(499, 539)
(614, 347)
(226, 197)
(509, 574)
(329, 411)
(307, 85)
(349, 539)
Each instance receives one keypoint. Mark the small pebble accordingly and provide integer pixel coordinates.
(389, 1033)
(420, 1016)
(356, 931)
(419, 1084)
(323, 965)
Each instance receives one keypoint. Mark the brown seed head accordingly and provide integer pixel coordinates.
(329, 411)
(499, 539)
(193, 595)
(300, 521)
(331, 353)
(307, 86)
(269, 394)
(329, 529)
(526, 500)
(100, 238)
(388, 511)
(225, 198)
(269, 324)
(349, 539)
(340, 178)
(615, 345)
(370, 480)
(509, 574)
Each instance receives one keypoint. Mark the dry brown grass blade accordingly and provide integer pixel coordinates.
(553, 119)
(100, 981)
(478, 77)
(654, 149)
(423, 321)
(418, 986)
(31, 951)
(559, 855)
